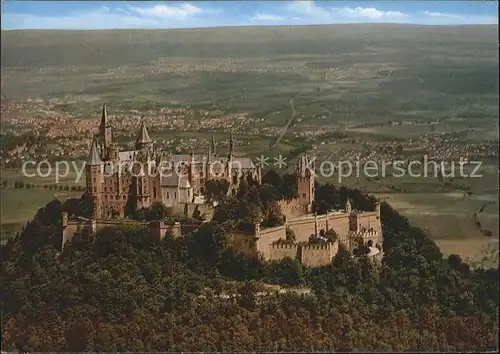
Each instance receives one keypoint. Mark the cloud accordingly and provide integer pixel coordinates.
(178, 16)
(165, 11)
(101, 18)
(208, 14)
(267, 17)
(309, 10)
(371, 13)
(441, 14)
(455, 19)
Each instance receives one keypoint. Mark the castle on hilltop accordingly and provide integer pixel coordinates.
(121, 182)
(119, 185)
(352, 228)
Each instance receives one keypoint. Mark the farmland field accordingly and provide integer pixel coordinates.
(19, 205)
(351, 73)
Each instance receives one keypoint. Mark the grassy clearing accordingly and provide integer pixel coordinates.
(449, 220)
(20, 205)
(43, 176)
(477, 251)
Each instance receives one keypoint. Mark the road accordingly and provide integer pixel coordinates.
(288, 123)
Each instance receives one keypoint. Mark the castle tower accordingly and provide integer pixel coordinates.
(143, 140)
(348, 207)
(378, 226)
(105, 131)
(305, 183)
(193, 176)
(231, 146)
(208, 164)
(230, 158)
(64, 219)
(212, 145)
(210, 153)
(142, 189)
(94, 172)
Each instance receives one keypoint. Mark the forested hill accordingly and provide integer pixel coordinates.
(109, 48)
(127, 292)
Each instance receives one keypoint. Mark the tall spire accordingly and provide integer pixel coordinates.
(94, 159)
(105, 131)
(301, 166)
(210, 152)
(305, 168)
(231, 144)
(143, 138)
(348, 207)
(213, 145)
(104, 117)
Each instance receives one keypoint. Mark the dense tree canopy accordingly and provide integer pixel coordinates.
(216, 190)
(328, 197)
(285, 187)
(253, 204)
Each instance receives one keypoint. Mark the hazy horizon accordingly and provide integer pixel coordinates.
(81, 15)
(241, 26)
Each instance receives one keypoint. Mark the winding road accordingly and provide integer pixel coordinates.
(288, 123)
(476, 218)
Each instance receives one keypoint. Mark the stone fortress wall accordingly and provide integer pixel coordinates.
(283, 250)
(318, 255)
(87, 227)
(291, 207)
(310, 255)
(350, 226)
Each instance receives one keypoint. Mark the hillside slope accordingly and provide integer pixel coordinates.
(118, 47)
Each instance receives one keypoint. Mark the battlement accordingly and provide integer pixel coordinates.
(291, 207)
(312, 255)
(321, 246)
(364, 233)
(281, 244)
(288, 202)
(87, 227)
(336, 214)
(282, 249)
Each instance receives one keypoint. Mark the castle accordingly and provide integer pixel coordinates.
(353, 229)
(119, 184)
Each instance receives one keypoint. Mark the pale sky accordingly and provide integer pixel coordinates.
(109, 15)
